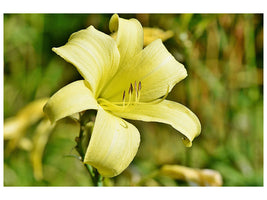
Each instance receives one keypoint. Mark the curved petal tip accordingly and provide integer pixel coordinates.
(114, 23)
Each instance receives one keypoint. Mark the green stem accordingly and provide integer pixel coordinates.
(83, 140)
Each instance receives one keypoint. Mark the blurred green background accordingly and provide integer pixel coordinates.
(223, 54)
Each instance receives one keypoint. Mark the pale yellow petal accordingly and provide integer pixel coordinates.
(203, 177)
(168, 112)
(113, 144)
(154, 67)
(129, 37)
(27, 116)
(14, 127)
(94, 54)
(73, 98)
(25, 144)
(33, 111)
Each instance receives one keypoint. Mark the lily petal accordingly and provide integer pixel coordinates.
(168, 112)
(154, 67)
(71, 99)
(113, 144)
(27, 116)
(94, 54)
(15, 127)
(129, 37)
(203, 177)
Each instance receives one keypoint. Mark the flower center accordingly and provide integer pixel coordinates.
(129, 99)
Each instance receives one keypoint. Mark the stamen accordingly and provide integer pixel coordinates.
(127, 104)
(108, 105)
(123, 95)
(130, 98)
(131, 88)
(123, 99)
(138, 93)
(139, 86)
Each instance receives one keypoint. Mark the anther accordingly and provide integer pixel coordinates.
(131, 89)
(123, 96)
(139, 86)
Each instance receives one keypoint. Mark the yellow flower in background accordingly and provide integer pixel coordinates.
(151, 34)
(15, 129)
(202, 177)
(121, 80)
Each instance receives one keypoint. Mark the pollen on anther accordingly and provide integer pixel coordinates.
(123, 95)
(131, 89)
(139, 86)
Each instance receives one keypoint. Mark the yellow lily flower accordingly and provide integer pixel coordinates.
(203, 177)
(121, 80)
(14, 127)
(151, 34)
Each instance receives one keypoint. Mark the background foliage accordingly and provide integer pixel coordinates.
(223, 54)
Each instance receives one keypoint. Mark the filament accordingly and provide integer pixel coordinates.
(130, 100)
